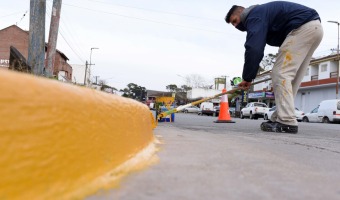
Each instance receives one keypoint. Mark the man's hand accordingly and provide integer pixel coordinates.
(244, 85)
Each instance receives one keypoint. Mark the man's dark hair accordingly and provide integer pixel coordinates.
(231, 11)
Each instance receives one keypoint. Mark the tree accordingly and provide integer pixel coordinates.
(268, 62)
(195, 81)
(102, 82)
(105, 87)
(134, 91)
(185, 88)
(172, 87)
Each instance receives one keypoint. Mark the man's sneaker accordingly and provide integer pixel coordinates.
(278, 127)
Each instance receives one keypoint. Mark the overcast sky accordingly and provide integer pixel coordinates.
(154, 43)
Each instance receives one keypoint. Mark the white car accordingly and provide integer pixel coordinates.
(329, 111)
(254, 110)
(191, 109)
(298, 113)
(312, 116)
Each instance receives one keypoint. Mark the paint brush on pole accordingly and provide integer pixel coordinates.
(180, 108)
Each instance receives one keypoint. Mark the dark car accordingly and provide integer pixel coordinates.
(232, 111)
(217, 110)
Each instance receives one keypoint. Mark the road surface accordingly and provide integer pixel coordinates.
(202, 160)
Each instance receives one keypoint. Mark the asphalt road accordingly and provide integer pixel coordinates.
(203, 160)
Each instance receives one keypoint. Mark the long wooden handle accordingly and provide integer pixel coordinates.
(179, 108)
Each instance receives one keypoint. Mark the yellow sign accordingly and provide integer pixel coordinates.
(167, 101)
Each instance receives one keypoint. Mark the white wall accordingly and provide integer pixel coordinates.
(325, 74)
(307, 76)
(266, 84)
(333, 66)
(314, 70)
(201, 92)
(312, 97)
(78, 74)
(62, 76)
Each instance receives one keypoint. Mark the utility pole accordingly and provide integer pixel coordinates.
(91, 63)
(36, 40)
(337, 74)
(85, 73)
(96, 79)
(53, 37)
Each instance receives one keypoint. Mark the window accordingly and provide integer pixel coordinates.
(273, 108)
(315, 110)
(260, 105)
(324, 68)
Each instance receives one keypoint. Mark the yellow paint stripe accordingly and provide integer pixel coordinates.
(57, 140)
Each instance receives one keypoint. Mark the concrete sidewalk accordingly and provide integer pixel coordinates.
(201, 165)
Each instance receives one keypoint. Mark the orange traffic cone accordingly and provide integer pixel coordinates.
(224, 116)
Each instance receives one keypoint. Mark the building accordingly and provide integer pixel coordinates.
(78, 74)
(263, 92)
(318, 84)
(18, 38)
(199, 93)
(152, 95)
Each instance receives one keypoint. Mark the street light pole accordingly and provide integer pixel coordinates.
(89, 68)
(337, 74)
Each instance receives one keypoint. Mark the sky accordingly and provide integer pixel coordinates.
(155, 43)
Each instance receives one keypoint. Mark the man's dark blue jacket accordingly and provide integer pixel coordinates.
(270, 23)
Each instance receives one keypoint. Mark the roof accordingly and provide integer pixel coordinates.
(27, 32)
(61, 53)
(324, 59)
(15, 26)
(158, 93)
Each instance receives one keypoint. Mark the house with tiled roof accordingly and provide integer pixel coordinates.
(18, 38)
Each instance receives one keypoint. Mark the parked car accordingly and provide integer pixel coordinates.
(329, 111)
(269, 113)
(191, 109)
(254, 110)
(217, 110)
(206, 108)
(312, 116)
(298, 113)
(232, 111)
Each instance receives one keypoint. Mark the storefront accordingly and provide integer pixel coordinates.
(264, 97)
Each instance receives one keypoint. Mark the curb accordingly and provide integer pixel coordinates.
(59, 138)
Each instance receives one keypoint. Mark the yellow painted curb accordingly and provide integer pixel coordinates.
(60, 141)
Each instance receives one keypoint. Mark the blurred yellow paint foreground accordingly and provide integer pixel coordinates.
(60, 141)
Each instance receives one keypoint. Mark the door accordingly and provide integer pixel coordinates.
(314, 115)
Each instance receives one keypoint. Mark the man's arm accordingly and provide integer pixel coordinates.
(255, 44)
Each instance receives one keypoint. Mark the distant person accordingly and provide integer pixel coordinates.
(297, 30)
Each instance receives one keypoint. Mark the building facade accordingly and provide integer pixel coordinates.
(79, 76)
(18, 38)
(262, 92)
(318, 84)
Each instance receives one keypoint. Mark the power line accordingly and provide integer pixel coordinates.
(49, 13)
(12, 14)
(148, 20)
(72, 37)
(157, 11)
(71, 48)
(22, 17)
(69, 33)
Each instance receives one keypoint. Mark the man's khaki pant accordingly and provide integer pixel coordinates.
(290, 67)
